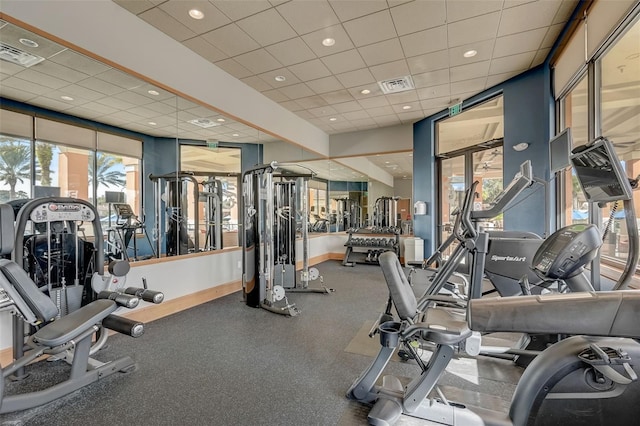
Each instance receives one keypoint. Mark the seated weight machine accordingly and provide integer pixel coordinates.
(274, 214)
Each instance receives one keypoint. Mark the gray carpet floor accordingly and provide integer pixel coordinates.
(223, 363)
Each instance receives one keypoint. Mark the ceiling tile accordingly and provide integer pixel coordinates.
(433, 78)
(291, 51)
(60, 71)
(45, 80)
(270, 78)
(76, 91)
(527, 17)
(135, 6)
(323, 111)
(356, 115)
(133, 98)
(101, 86)
(347, 107)
(56, 95)
(231, 40)
(267, 27)
(167, 24)
(467, 72)
(371, 28)
(275, 95)
(27, 86)
(308, 16)
(519, 62)
(240, 9)
(414, 44)
(179, 10)
(310, 70)
(337, 97)
(552, 34)
(100, 108)
(344, 61)
(234, 68)
(374, 102)
(402, 97)
(9, 68)
(374, 90)
(457, 10)
(161, 108)
(387, 120)
(312, 101)
(347, 10)
(390, 70)
(336, 32)
(112, 102)
(119, 78)
(484, 49)
(325, 85)
(205, 49)
(379, 53)
(380, 111)
(541, 55)
(356, 78)
(564, 11)
(473, 85)
(79, 62)
(297, 91)
(519, 42)
(435, 104)
(11, 34)
(415, 109)
(474, 29)
(365, 123)
(143, 112)
(492, 80)
(258, 61)
(431, 92)
(83, 112)
(291, 105)
(16, 94)
(50, 104)
(418, 15)
(429, 62)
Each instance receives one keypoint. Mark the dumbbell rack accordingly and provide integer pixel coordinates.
(365, 247)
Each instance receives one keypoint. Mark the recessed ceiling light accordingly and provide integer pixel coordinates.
(153, 92)
(66, 98)
(365, 91)
(221, 120)
(280, 78)
(470, 53)
(235, 135)
(196, 14)
(28, 42)
(406, 107)
(153, 123)
(332, 119)
(328, 42)
(386, 162)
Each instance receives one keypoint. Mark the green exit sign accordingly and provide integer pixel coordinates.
(455, 109)
(212, 144)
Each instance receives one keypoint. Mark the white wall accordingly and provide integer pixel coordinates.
(403, 188)
(374, 141)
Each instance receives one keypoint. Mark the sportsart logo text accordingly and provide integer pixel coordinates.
(496, 258)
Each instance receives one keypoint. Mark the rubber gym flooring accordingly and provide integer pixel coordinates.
(223, 363)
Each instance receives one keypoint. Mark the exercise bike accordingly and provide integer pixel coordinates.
(589, 378)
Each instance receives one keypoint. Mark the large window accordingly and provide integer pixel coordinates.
(67, 161)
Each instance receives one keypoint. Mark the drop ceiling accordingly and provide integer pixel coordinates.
(257, 41)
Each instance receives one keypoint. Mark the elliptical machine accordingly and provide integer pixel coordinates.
(590, 378)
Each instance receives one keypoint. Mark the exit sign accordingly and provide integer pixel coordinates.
(212, 144)
(455, 109)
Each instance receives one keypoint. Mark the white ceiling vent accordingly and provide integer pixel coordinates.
(395, 85)
(17, 56)
(205, 123)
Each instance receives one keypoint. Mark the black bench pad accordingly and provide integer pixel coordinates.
(70, 326)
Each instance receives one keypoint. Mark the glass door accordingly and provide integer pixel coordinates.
(452, 187)
(488, 171)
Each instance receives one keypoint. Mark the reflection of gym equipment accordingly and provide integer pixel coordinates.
(273, 214)
(385, 212)
(177, 209)
(348, 214)
(122, 231)
(69, 269)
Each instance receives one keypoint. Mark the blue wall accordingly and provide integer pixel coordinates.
(528, 117)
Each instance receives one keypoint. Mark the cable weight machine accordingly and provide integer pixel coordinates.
(274, 213)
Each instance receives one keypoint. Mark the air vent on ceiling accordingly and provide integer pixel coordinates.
(205, 123)
(17, 56)
(395, 85)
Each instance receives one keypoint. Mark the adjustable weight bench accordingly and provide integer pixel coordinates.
(74, 332)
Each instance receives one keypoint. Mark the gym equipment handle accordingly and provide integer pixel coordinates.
(145, 294)
(126, 300)
(123, 325)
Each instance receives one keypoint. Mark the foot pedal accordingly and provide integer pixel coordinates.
(601, 359)
(385, 412)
